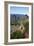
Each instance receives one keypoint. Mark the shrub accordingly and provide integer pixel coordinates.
(17, 35)
(26, 25)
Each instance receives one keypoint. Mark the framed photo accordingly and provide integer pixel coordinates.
(18, 22)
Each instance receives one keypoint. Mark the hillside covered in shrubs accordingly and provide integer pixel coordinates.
(19, 26)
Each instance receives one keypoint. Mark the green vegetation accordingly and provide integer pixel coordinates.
(19, 26)
(19, 34)
(26, 25)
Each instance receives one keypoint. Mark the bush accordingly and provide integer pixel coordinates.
(17, 35)
(26, 25)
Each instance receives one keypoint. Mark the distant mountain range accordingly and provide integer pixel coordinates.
(15, 17)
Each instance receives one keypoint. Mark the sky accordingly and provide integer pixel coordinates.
(19, 10)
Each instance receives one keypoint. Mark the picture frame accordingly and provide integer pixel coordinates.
(19, 5)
